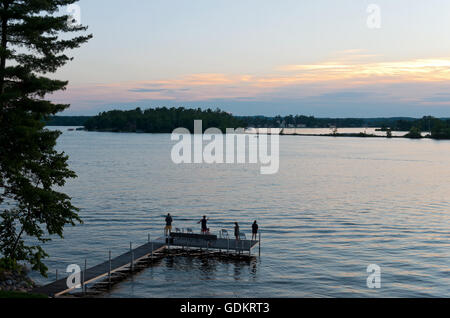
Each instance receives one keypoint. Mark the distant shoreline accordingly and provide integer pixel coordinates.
(338, 135)
(166, 120)
(361, 135)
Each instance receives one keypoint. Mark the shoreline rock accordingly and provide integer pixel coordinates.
(16, 280)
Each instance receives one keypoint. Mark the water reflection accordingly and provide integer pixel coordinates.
(253, 269)
(208, 268)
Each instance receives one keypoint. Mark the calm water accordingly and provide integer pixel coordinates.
(336, 206)
(327, 131)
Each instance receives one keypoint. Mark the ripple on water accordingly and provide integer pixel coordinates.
(336, 206)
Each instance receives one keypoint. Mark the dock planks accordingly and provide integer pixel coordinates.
(59, 287)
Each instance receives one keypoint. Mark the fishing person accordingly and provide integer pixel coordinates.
(236, 230)
(204, 223)
(254, 231)
(168, 227)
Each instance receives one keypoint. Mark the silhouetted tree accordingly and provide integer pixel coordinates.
(33, 43)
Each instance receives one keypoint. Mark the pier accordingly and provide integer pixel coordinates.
(210, 242)
(115, 270)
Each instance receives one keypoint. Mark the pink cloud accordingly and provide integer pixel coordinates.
(352, 69)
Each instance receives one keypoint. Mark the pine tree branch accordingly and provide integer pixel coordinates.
(3, 46)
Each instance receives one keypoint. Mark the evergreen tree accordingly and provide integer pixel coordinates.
(34, 39)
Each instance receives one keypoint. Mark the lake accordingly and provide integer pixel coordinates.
(336, 206)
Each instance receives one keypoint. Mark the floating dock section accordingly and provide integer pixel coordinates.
(212, 242)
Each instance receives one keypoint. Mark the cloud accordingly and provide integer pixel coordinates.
(344, 96)
(157, 90)
(352, 76)
(421, 70)
(437, 99)
(147, 90)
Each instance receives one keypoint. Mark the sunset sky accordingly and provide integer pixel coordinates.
(263, 57)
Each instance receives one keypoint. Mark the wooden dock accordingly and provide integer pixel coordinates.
(211, 242)
(124, 261)
(124, 265)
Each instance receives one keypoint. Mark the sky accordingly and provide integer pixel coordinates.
(326, 58)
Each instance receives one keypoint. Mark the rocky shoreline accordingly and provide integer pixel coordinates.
(16, 281)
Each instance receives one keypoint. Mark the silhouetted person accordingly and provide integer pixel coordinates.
(204, 224)
(254, 231)
(168, 228)
(236, 230)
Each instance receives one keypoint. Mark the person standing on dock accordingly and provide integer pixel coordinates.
(254, 231)
(204, 222)
(236, 230)
(168, 228)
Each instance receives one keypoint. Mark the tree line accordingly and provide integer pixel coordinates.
(66, 120)
(437, 128)
(302, 121)
(165, 120)
(161, 120)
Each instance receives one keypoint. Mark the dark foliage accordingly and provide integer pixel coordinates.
(67, 120)
(301, 121)
(161, 120)
(439, 128)
(30, 168)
